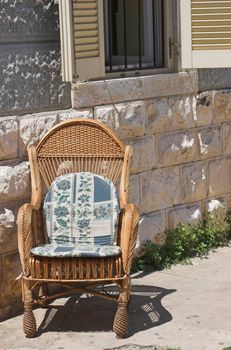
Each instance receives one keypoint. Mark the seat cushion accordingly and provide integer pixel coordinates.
(82, 208)
(76, 250)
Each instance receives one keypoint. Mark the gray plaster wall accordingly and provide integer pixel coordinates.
(209, 79)
(30, 78)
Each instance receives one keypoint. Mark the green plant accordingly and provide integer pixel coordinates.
(185, 242)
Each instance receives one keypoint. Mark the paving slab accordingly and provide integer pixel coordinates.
(186, 307)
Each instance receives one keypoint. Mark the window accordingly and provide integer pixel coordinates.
(137, 34)
(134, 34)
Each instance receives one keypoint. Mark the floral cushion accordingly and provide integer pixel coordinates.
(76, 250)
(82, 208)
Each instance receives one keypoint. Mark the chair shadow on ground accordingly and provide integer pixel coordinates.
(91, 314)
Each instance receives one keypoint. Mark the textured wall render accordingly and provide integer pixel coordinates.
(30, 58)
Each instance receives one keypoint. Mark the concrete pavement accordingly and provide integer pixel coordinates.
(186, 307)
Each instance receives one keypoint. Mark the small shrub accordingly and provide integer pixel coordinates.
(185, 242)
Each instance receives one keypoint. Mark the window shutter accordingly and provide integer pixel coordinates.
(82, 39)
(206, 33)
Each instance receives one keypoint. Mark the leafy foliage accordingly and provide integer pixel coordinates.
(185, 242)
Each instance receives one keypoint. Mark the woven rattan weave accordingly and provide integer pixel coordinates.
(77, 145)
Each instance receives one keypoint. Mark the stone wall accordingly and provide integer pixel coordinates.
(181, 164)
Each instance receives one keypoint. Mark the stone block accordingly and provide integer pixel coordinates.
(33, 127)
(176, 148)
(193, 182)
(152, 226)
(8, 138)
(203, 109)
(160, 189)
(127, 120)
(72, 114)
(219, 177)
(222, 106)
(143, 153)
(190, 214)
(159, 116)
(11, 272)
(8, 230)
(227, 138)
(14, 182)
(210, 142)
(181, 112)
(134, 191)
(101, 92)
(169, 114)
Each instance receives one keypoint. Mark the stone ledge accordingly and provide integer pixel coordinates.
(112, 91)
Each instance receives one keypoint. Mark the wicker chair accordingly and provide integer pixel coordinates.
(79, 145)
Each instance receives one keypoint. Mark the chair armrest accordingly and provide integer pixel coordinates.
(128, 234)
(28, 233)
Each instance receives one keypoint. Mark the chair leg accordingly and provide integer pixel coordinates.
(29, 323)
(120, 325)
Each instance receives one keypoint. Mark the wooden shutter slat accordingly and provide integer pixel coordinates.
(85, 6)
(85, 33)
(85, 13)
(83, 1)
(211, 17)
(210, 11)
(222, 4)
(209, 41)
(212, 35)
(82, 48)
(88, 54)
(212, 29)
(213, 47)
(84, 27)
(86, 40)
(86, 20)
(209, 23)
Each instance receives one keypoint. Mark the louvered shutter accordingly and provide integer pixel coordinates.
(206, 33)
(82, 39)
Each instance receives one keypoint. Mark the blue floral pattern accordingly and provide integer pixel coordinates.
(76, 250)
(82, 208)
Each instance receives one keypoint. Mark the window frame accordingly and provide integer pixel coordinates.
(77, 22)
(170, 33)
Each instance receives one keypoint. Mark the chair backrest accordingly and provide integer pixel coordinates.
(82, 208)
(80, 145)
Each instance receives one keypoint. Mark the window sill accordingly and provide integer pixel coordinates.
(110, 91)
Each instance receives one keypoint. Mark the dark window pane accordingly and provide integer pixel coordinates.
(133, 34)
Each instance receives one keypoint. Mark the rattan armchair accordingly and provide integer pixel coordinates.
(78, 145)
